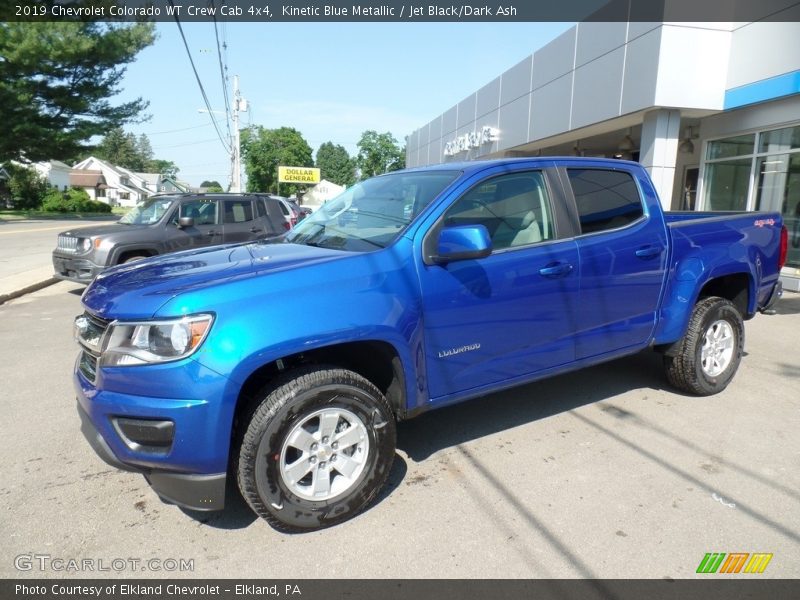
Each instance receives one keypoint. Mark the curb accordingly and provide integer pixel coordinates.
(27, 290)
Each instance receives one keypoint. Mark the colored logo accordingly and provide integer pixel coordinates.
(735, 562)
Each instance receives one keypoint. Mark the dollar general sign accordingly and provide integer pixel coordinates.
(298, 175)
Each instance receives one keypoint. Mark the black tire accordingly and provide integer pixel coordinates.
(299, 401)
(687, 370)
(133, 258)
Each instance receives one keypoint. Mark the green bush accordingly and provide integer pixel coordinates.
(54, 201)
(26, 186)
(73, 200)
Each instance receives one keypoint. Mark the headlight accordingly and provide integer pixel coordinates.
(85, 244)
(153, 341)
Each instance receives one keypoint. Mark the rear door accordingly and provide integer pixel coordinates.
(509, 314)
(240, 221)
(623, 254)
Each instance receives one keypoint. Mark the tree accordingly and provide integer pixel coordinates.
(120, 149)
(212, 186)
(378, 153)
(56, 82)
(263, 150)
(26, 186)
(335, 164)
(144, 151)
(126, 150)
(165, 167)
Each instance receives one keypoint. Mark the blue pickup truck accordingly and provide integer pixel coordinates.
(421, 288)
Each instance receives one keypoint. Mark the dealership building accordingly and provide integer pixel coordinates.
(712, 110)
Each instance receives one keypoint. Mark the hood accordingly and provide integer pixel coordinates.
(100, 230)
(137, 290)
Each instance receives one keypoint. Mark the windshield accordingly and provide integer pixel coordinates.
(148, 212)
(371, 214)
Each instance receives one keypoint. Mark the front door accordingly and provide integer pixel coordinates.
(512, 313)
(206, 230)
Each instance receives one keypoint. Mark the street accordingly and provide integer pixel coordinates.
(27, 245)
(602, 473)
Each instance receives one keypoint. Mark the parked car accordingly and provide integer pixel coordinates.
(292, 212)
(303, 210)
(501, 273)
(163, 224)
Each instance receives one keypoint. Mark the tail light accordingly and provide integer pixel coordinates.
(287, 226)
(784, 247)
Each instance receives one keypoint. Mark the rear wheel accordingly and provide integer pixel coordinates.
(316, 450)
(711, 349)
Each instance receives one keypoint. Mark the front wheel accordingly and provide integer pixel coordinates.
(711, 349)
(316, 450)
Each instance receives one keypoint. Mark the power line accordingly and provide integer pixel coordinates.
(222, 72)
(200, 83)
(196, 143)
(177, 130)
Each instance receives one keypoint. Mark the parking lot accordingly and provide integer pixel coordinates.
(601, 473)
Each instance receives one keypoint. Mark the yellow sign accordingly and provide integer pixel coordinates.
(298, 175)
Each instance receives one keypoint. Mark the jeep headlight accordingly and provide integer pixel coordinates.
(85, 244)
(146, 342)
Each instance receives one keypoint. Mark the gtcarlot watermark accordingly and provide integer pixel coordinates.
(61, 564)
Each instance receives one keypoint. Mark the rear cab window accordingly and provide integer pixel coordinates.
(605, 199)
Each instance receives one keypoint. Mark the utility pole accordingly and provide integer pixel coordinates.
(239, 104)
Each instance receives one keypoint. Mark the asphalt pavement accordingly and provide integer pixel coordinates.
(602, 473)
(25, 252)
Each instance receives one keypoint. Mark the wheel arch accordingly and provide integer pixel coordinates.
(685, 294)
(122, 254)
(736, 287)
(377, 361)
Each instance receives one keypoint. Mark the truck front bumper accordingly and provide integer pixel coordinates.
(171, 442)
(195, 492)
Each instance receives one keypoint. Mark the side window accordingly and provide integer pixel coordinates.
(605, 199)
(238, 211)
(275, 211)
(262, 211)
(202, 210)
(514, 208)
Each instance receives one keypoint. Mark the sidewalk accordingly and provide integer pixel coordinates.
(19, 284)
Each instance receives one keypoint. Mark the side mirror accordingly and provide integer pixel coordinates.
(463, 242)
(185, 222)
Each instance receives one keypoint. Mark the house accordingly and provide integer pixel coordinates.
(161, 184)
(124, 187)
(90, 180)
(321, 193)
(55, 172)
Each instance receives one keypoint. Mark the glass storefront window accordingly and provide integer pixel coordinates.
(780, 140)
(733, 146)
(726, 184)
(778, 189)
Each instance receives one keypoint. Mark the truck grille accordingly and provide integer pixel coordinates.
(88, 366)
(67, 243)
(89, 331)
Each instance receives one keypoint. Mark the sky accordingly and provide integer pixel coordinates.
(330, 81)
